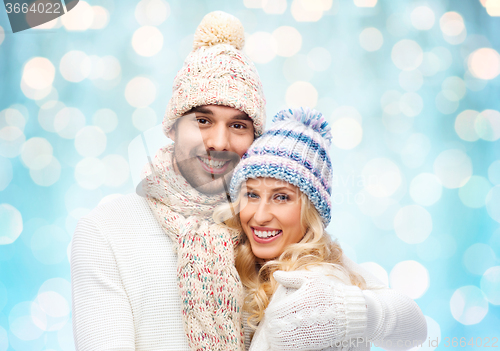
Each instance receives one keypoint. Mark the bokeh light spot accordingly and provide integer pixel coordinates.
(473, 193)
(371, 39)
(152, 12)
(487, 125)
(409, 277)
(144, 118)
(447, 103)
(147, 41)
(261, 47)
(117, 170)
(381, 177)
(407, 55)
(106, 119)
(478, 258)
(101, 17)
(422, 18)
(140, 92)
(49, 243)
(411, 80)
(493, 203)
(452, 24)
(411, 104)
(346, 133)
(365, 3)
(80, 18)
(413, 224)
(453, 168)
(468, 305)
(415, 150)
(494, 172)
(22, 324)
(309, 10)
(75, 66)
(301, 94)
(37, 153)
(68, 121)
(47, 175)
(319, 59)
(39, 73)
(275, 7)
(490, 285)
(288, 41)
(11, 223)
(426, 189)
(11, 141)
(90, 141)
(464, 125)
(90, 173)
(296, 68)
(6, 173)
(484, 63)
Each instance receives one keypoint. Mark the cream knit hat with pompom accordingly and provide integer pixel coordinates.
(216, 72)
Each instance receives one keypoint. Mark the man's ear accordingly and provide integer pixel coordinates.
(171, 133)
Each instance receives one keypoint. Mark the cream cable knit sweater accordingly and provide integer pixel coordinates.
(125, 294)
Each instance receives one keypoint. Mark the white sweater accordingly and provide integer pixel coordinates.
(125, 294)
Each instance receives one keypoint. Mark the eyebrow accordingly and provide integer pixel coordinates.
(274, 189)
(239, 117)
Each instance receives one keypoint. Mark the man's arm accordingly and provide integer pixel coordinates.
(102, 316)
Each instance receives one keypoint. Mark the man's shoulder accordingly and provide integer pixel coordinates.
(125, 210)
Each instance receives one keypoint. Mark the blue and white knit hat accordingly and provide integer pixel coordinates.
(294, 149)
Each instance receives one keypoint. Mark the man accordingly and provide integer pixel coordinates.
(131, 258)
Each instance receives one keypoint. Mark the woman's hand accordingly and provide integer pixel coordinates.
(310, 311)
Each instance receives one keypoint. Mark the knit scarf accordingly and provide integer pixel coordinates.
(210, 288)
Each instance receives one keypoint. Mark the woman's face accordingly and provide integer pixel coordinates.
(270, 216)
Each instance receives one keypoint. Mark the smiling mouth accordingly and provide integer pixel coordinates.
(265, 234)
(214, 166)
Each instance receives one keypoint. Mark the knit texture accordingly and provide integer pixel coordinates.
(323, 313)
(125, 291)
(216, 72)
(209, 285)
(294, 149)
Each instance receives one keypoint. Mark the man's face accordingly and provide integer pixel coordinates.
(209, 142)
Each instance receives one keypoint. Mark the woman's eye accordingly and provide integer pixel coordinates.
(281, 197)
(251, 195)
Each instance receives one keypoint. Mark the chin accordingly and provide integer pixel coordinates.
(211, 188)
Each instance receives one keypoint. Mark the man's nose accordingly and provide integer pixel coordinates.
(217, 138)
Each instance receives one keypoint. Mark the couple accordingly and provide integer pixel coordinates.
(163, 273)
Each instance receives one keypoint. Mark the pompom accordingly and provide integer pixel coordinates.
(219, 28)
(309, 117)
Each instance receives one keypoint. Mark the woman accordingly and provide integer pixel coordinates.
(302, 293)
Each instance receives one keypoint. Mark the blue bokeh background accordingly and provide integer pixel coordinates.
(410, 88)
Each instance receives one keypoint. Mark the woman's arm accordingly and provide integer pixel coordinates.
(315, 312)
(394, 321)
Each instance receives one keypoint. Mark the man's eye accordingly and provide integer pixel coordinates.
(202, 120)
(239, 126)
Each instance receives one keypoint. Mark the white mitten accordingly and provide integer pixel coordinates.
(311, 311)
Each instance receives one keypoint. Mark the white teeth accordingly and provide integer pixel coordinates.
(266, 234)
(213, 163)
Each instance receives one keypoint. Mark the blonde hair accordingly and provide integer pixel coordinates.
(316, 248)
